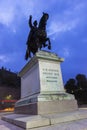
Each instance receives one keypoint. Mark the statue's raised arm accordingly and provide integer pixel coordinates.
(33, 29)
(30, 22)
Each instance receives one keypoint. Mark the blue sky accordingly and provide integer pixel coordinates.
(66, 27)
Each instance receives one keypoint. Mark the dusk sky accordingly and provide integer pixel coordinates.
(66, 28)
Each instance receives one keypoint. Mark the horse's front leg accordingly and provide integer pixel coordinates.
(28, 53)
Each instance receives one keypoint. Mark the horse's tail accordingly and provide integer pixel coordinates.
(27, 54)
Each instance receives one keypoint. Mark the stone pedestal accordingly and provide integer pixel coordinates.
(42, 90)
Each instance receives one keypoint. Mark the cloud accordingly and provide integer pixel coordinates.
(13, 12)
(65, 52)
(6, 12)
(12, 60)
(4, 58)
(69, 20)
(60, 27)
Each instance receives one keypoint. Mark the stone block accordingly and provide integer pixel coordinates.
(42, 90)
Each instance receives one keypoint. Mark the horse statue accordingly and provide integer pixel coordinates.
(37, 37)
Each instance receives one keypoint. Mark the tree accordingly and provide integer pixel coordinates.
(81, 81)
(78, 87)
(70, 86)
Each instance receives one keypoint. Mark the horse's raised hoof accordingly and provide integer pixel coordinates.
(26, 56)
(49, 47)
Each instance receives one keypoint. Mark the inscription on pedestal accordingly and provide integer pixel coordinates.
(51, 75)
(51, 79)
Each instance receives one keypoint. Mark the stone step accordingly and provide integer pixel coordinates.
(37, 121)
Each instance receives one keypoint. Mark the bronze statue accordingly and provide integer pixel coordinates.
(37, 37)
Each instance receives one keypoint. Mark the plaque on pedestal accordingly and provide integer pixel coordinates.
(42, 90)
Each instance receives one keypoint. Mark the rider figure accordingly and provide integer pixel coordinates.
(33, 29)
(31, 36)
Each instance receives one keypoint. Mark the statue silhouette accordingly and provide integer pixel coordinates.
(37, 37)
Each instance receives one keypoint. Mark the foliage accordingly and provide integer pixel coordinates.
(78, 87)
(70, 86)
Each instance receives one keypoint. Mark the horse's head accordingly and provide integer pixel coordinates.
(43, 21)
(45, 16)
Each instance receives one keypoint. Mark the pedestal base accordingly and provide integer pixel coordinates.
(42, 90)
(40, 104)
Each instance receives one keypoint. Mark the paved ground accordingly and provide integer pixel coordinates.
(74, 125)
(7, 126)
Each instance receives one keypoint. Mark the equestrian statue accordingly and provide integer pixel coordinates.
(37, 37)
